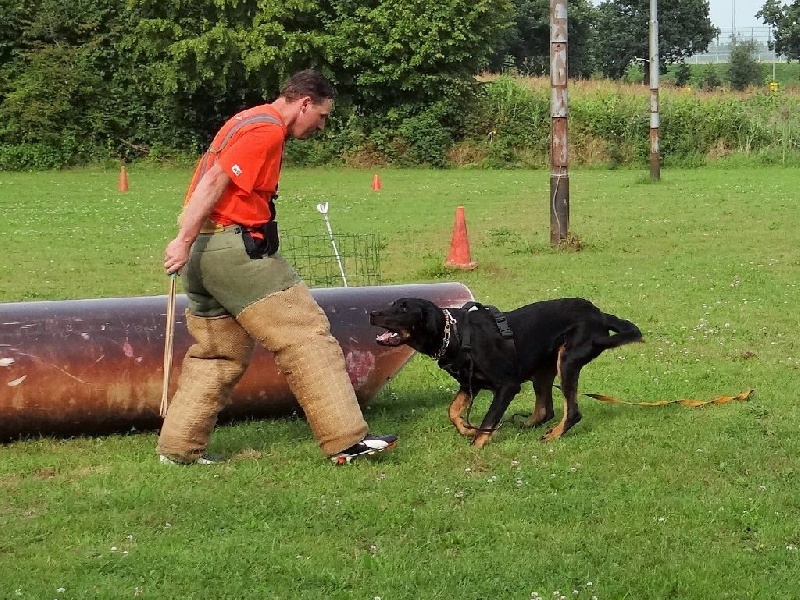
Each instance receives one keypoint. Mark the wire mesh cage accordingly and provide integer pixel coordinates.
(315, 260)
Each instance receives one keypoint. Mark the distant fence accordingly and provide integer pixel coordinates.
(719, 51)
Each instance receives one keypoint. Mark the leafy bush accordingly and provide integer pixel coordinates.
(744, 69)
(634, 73)
(683, 75)
(710, 79)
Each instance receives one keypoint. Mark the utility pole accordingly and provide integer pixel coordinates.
(655, 159)
(559, 156)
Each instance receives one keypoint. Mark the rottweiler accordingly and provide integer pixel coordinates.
(484, 349)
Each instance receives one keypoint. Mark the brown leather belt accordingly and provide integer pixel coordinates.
(211, 227)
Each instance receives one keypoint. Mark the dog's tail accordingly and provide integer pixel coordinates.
(625, 332)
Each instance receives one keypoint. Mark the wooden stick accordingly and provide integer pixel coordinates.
(169, 338)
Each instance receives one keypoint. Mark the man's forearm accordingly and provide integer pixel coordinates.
(202, 201)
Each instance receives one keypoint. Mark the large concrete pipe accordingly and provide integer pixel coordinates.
(96, 366)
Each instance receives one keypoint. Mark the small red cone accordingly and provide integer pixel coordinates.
(122, 186)
(376, 182)
(459, 256)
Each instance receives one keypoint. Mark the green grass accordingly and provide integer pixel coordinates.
(643, 503)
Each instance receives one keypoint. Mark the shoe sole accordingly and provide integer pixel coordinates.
(344, 460)
(200, 461)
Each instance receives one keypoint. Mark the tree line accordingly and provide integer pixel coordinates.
(87, 80)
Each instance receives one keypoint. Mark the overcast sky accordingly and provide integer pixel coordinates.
(723, 13)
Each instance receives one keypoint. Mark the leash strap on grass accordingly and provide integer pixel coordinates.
(745, 395)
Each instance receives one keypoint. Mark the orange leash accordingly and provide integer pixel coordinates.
(745, 395)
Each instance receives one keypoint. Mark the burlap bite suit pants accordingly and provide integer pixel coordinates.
(221, 281)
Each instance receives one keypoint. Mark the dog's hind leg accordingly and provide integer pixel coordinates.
(460, 403)
(543, 388)
(569, 369)
(502, 398)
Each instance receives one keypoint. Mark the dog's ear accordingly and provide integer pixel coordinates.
(400, 305)
(429, 312)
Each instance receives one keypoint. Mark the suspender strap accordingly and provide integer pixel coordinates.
(237, 126)
(209, 157)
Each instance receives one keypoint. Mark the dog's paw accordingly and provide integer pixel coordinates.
(481, 439)
(465, 430)
(535, 420)
(553, 433)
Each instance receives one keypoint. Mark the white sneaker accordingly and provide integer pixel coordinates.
(369, 445)
(206, 459)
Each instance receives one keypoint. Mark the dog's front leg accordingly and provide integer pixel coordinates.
(460, 403)
(502, 398)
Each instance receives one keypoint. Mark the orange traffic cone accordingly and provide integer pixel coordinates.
(122, 186)
(376, 182)
(459, 256)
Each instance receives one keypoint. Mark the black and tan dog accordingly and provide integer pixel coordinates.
(484, 349)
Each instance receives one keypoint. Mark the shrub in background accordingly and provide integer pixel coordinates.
(683, 75)
(710, 79)
(744, 69)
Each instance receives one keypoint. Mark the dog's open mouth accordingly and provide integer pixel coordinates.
(391, 338)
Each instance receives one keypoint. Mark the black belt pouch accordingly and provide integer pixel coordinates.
(256, 247)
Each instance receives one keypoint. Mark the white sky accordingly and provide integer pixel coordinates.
(723, 13)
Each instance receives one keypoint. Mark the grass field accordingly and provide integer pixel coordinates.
(639, 503)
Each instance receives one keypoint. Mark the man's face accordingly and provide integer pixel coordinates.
(312, 118)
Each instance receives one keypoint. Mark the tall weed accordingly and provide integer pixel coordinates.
(609, 124)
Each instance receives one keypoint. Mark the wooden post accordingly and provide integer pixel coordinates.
(559, 163)
(655, 159)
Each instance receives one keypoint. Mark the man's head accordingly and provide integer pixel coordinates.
(310, 96)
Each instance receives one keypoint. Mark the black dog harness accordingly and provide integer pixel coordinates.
(463, 336)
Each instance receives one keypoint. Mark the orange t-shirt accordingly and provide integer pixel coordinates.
(252, 159)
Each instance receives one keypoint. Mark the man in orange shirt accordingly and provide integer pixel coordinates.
(242, 291)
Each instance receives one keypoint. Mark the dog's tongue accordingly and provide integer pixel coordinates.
(386, 337)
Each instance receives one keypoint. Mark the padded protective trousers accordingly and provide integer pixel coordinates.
(272, 306)
(296, 330)
(211, 367)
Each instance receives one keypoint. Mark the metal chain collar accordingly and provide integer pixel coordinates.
(448, 325)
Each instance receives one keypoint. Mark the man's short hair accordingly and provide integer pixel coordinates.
(308, 83)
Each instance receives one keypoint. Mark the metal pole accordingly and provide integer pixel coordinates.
(774, 54)
(559, 164)
(655, 160)
(323, 210)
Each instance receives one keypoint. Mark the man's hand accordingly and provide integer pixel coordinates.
(176, 255)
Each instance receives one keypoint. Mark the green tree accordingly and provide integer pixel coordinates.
(683, 74)
(684, 29)
(82, 79)
(409, 68)
(785, 21)
(744, 69)
(64, 96)
(710, 79)
(527, 40)
(389, 54)
(390, 59)
(213, 57)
